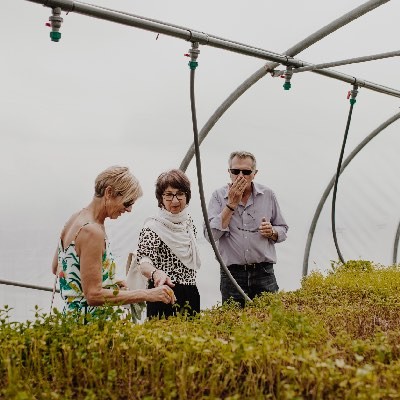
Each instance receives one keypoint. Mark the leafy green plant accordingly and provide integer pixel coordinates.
(335, 338)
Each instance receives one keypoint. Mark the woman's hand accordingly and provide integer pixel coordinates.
(122, 285)
(161, 293)
(161, 278)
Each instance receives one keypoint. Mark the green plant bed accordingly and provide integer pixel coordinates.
(337, 337)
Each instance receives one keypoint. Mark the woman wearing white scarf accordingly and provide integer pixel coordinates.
(167, 250)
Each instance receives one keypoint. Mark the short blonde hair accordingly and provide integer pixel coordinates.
(242, 154)
(122, 181)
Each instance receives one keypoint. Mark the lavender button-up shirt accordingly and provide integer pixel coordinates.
(241, 243)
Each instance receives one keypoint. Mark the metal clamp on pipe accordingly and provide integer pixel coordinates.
(200, 37)
(55, 23)
(277, 73)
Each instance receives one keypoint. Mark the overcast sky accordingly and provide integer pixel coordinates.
(109, 94)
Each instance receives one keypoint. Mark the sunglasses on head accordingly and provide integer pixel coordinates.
(236, 171)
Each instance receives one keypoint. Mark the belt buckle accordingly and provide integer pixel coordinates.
(249, 266)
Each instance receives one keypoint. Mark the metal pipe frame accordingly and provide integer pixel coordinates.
(207, 39)
(396, 244)
(27, 286)
(348, 61)
(269, 67)
(328, 189)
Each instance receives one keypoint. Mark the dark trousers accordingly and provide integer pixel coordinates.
(187, 302)
(254, 279)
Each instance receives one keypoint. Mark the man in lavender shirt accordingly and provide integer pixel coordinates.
(247, 222)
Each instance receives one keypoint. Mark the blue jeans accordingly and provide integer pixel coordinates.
(253, 281)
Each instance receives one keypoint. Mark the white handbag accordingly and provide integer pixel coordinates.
(135, 280)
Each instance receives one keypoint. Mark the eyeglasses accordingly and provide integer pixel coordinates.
(170, 196)
(248, 230)
(236, 171)
(129, 203)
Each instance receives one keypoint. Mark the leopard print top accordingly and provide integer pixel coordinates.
(151, 246)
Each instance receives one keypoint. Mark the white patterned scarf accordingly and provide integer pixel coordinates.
(177, 232)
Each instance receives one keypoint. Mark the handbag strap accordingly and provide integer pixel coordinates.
(128, 263)
(53, 294)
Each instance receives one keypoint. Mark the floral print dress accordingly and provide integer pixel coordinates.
(70, 277)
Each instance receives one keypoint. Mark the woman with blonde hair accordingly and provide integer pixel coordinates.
(83, 260)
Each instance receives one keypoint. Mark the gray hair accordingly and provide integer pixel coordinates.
(242, 154)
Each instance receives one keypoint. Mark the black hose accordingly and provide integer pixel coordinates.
(201, 190)
(339, 167)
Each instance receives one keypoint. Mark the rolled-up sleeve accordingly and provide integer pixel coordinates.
(241, 242)
(215, 207)
(277, 221)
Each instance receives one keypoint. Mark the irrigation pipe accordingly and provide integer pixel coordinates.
(193, 65)
(333, 211)
(269, 67)
(374, 57)
(25, 285)
(209, 39)
(328, 189)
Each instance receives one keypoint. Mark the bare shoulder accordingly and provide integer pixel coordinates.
(90, 238)
(72, 222)
(70, 228)
(92, 231)
(79, 230)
